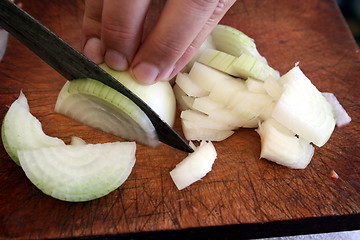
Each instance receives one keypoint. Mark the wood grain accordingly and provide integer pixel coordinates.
(243, 195)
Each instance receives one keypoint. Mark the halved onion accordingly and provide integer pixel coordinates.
(97, 105)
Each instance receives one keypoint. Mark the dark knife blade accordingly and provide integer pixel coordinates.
(73, 65)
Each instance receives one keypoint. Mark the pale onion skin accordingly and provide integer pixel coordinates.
(159, 96)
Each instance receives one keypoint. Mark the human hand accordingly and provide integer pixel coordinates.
(112, 33)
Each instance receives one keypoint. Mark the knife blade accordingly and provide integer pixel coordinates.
(73, 65)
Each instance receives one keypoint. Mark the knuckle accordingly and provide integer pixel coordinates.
(167, 49)
(204, 3)
(119, 33)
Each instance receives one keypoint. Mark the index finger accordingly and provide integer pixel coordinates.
(179, 24)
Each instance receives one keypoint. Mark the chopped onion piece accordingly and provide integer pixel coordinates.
(195, 166)
(182, 99)
(196, 131)
(190, 87)
(340, 114)
(21, 130)
(206, 105)
(249, 105)
(255, 86)
(224, 90)
(206, 77)
(280, 145)
(243, 66)
(205, 120)
(273, 87)
(75, 141)
(302, 108)
(234, 42)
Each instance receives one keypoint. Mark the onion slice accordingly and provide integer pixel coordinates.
(195, 166)
(280, 145)
(303, 109)
(78, 173)
(97, 105)
(21, 130)
(340, 114)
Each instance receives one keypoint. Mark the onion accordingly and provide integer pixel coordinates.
(340, 114)
(21, 130)
(243, 66)
(302, 108)
(195, 166)
(97, 105)
(79, 173)
(76, 172)
(287, 111)
(280, 145)
(232, 41)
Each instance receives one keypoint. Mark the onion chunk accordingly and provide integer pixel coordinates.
(195, 166)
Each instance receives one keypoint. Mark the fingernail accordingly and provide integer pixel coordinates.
(93, 50)
(116, 60)
(145, 73)
(167, 75)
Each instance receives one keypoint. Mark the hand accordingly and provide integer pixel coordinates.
(112, 33)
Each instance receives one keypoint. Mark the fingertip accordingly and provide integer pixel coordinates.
(93, 50)
(116, 60)
(145, 73)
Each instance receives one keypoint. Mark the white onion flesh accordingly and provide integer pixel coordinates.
(79, 172)
(189, 87)
(76, 172)
(21, 130)
(204, 120)
(224, 90)
(195, 166)
(231, 103)
(232, 41)
(94, 104)
(302, 108)
(255, 86)
(280, 145)
(243, 66)
(273, 87)
(75, 141)
(341, 116)
(196, 131)
(206, 77)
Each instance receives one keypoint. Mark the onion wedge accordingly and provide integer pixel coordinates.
(79, 173)
(303, 109)
(280, 145)
(195, 166)
(21, 130)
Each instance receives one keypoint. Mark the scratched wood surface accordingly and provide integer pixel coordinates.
(241, 189)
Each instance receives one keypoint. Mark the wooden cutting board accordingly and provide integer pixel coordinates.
(243, 196)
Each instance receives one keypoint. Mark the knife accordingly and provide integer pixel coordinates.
(73, 65)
